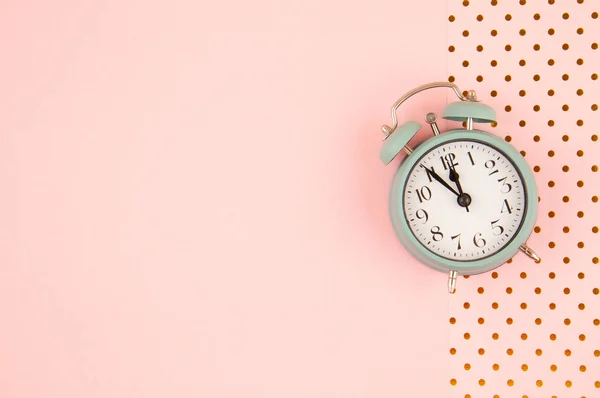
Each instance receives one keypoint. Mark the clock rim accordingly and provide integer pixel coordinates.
(470, 267)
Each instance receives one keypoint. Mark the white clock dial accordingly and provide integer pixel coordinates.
(491, 195)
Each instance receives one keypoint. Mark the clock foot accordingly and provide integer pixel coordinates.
(530, 253)
(452, 281)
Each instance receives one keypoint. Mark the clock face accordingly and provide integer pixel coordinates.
(464, 200)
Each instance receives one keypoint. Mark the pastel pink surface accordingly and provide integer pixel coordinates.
(193, 204)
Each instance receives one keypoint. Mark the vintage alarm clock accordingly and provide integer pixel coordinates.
(463, 201)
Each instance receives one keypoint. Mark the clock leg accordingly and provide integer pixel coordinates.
(452, 281)
(530, 253)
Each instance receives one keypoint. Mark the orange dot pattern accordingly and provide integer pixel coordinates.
(526, 329)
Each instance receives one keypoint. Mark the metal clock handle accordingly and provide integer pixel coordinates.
(387, 130)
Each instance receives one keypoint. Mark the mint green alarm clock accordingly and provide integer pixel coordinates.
(463, 201)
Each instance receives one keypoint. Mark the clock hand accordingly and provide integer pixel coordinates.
(439, 179)
(463, 199)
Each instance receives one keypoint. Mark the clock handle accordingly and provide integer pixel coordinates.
(387, 130)
(530, 253)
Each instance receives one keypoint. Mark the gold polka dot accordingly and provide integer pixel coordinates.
(594, 15)
(597, 353)
(580, 61)
(508, 138)
(595, 260)
(522, 93)
(594, 107)
(465, 3)
(466, 305)
(510, 351)
(509, 321)
(480, 48)
(522, 123)
(566, 260)
(507, 78)
(551, 92)
(565, 77)
(536, 17)
(580, 184)
(523, 306)
(493, 93)
(467, 366)
(550, 62)
(581, 245)
(452, 320)
(523, 275)
(495, 366)
(494, 275)
(523, 336)
(580, 122)
(552, 306)
(565, 138)
(565, 168)
(594, 76)
(480, 17)
(479, 78)
(594, 46)
(480, 290)
(581, 306)
(465, 63)
(451, 18)
(453, 382)
(553, 368)
(596, 322)
(508, 17)
(565, 46)
(481, 321)
(579, 31)
(465, 33)
(536, 47)
(494, 63)
(536, 108)
(551, 275)
(594, 168)
(510, 382)
(550, 123)
(595, 199)
(508, 47)
(582, 368)
(594, 137)
(539, 383)
(538, 290)
(522, 2)
(566, 290)
(495, 336)
(494, 2)
(494, 32)
(481, 351)
(565, 15)
(568, 352)
(565, 199)
(579, 92)
(550, 31)
(550, 1)
(566, 230)
(565, 108)
(451, 49)
(551, 153)
(580, 214)
(509, 290)
(467, 336)
(538, 321)
(595, 229)
(551, 184)
(522, 32)
(452, 351)
(568, 383)
(553, 337)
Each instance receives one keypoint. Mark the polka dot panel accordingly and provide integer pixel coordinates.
(526, 329)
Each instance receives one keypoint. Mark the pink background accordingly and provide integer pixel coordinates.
(193, 206)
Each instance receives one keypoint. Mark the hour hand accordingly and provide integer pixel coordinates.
(439, 179)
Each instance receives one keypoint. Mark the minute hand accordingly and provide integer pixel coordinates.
(439, 179)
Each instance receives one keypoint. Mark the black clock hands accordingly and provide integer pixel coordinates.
(464, 199)
(439, 179)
